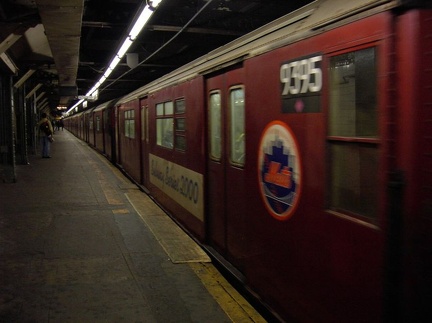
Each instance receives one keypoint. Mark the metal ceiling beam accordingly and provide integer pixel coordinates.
(9, 63)
(195, 30)
(102, 24)
(9, 41)
(24, 78)
(62, 21)
(89, 64)
(33, 91)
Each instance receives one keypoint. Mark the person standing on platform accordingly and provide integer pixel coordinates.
(60, 124)
(46, 134)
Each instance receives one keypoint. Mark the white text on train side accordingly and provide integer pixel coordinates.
(301, 76)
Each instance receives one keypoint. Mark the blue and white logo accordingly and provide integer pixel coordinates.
(279, 170)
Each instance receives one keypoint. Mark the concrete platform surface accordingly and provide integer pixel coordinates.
(80, 243)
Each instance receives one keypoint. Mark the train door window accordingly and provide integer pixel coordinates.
(165, 124)
(180, 124)
(147, 123)
(130, 123)
(353, 133)
(143, 123)
(215, 125)
(237, 126)
(97, 123)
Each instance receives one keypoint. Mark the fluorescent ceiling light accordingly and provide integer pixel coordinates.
(105, 75)
(124, 47)
(114, 62)
(155, 3)
(140, 23)
(133, 34)
(93, 89)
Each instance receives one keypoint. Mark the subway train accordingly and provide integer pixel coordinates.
(299, 156)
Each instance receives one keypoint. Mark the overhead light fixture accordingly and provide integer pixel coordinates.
(124, 47)
(105, 75)
(139, 24)
(114, 62)
(132, 60)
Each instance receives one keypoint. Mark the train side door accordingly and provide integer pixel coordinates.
(144, 142)
(226, 160)
(117, 135)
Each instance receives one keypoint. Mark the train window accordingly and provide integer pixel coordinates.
(237, 128)
(165, 125)
(215, 125)
(180, 143)
(353, 133)
(147, 124)
(130, 123)
(180, 124)
(169, 108)
(353, 110)
(180, 106)
(97, 123)
(160, 109)
(143, 124)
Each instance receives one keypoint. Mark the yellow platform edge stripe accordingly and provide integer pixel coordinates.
(234, 305)
(179, 247)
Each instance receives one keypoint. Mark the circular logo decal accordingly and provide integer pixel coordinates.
(279, 170)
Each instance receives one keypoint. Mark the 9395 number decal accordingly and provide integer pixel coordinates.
(299, 77)
(301, 82)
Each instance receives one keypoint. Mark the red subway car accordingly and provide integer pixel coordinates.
(301, 155)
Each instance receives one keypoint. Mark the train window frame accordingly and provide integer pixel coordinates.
(129, 123)
(237, 139)
(215, 126)
(180, 125)
(165, 124)
(144, 123)
(147, 118)
(352, 155)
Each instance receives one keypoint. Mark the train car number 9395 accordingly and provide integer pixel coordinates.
(301, 76)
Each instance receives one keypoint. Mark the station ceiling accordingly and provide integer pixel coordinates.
(68, 44)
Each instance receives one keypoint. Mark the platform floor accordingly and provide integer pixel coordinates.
(79, 242)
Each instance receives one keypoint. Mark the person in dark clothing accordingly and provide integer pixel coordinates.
(45, 133)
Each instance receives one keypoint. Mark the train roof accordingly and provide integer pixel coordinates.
(304, 22)
(104, 105)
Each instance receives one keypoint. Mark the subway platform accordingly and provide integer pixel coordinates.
(79, 242)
